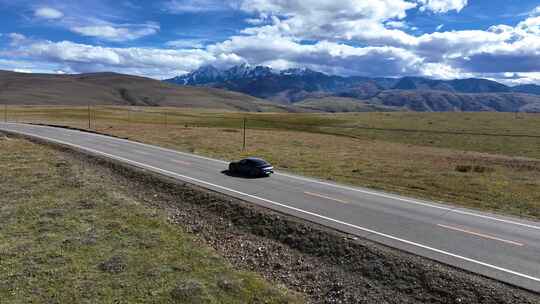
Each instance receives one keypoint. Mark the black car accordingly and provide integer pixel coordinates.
(252, 166)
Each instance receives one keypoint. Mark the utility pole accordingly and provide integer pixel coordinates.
(5, 112)
(244, 146)
(89, 118)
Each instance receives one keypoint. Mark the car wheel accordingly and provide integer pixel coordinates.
(231, 168)
(254, 173)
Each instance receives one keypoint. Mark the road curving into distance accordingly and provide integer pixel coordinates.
(503, 248)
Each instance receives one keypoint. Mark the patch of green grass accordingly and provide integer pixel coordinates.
(69, 237)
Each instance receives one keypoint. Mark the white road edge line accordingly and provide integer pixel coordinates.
(141, 165)
(411, 201)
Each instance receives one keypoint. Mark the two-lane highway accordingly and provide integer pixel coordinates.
(504, 248)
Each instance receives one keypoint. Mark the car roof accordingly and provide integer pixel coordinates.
(256, 159)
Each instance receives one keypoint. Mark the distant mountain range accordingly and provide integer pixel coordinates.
(319, 91)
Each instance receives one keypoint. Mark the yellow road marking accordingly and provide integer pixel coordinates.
(181, 162)
(326, 197)
(481, 235)
(142, 152)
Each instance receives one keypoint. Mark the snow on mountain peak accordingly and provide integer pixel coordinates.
(209, 74)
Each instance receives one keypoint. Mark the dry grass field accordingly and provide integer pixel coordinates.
(489, 161)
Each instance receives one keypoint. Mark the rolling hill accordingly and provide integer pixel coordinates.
(343, 104)
(441, 101)
(240, 89)
(469, 85)
(118, 89)
(527, 88)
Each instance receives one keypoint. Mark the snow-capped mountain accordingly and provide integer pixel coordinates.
(209, 74)
(203, 75)
(416, 93)
(246, 71)
(300, 72)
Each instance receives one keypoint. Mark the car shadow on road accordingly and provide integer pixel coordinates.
(238, 175)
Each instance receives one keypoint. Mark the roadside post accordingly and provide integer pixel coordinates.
(244, 145)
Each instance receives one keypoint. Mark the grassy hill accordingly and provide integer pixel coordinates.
(441, 101)
(118, 89)
(342, 104)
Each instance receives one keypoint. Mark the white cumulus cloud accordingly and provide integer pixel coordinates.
(535, 11)
(48, 13)
(23, 71)
(325, 56)
(185, 44)
(442, 6)
(332, 20)
(116, 32)
(195, 6)
(158, 63)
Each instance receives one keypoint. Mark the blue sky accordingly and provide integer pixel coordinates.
(497, 39)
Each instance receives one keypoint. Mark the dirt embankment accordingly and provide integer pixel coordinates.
(325, 265)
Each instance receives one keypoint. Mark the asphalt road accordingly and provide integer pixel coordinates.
(503, 248)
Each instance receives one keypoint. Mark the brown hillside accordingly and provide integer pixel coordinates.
(118, 89)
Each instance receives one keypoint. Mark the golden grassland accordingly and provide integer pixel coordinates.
(69, 236)
(489, 161)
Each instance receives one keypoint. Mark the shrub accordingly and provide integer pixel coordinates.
(482, 169)
(188, 291)
(464, 168)
(475, 169)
